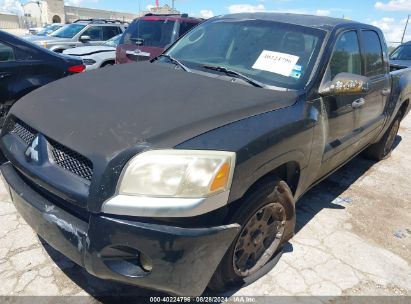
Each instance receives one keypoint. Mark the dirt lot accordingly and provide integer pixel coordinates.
(354, 238)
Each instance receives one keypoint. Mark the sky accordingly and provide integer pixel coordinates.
(389, 15)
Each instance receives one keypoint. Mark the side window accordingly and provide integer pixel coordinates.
(185, 27)
(6, 52)
(110, 31)
(95, 33)
(346, 57)
(374, 63)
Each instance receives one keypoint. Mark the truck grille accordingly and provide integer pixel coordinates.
(60, 155)
(21, 130)
(71, 161)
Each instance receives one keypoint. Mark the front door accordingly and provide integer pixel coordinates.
(342, 110)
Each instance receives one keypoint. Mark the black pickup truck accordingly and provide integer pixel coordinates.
(184, 172)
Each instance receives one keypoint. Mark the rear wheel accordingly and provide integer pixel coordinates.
(383, 148)
(267, 218)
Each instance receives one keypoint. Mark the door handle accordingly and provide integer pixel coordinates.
(358, 103)
(385, 92)
(5, 75)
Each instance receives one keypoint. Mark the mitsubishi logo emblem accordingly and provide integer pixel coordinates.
(32, 154)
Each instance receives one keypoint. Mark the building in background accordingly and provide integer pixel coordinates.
(72, 13)
(9, 21)
(166, 9)
(35, 13)
(39, 13)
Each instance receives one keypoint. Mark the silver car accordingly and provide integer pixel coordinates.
(87, 32)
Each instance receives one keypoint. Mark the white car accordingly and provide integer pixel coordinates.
(97, 56)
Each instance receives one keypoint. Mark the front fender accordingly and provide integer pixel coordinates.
(262, 143)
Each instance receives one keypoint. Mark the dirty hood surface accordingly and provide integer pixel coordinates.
(102, 113)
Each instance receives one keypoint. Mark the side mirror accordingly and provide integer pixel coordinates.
(345, 84)
(85, 38)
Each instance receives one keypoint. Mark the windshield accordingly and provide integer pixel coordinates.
(157, 33)
(48, 30)
(113, 41)
(68, 31)
(276, 54)
(403, 52)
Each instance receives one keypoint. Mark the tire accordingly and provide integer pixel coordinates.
(267, 218)
(382, 149)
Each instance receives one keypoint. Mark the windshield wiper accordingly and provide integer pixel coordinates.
(229, 72)
(175, 61)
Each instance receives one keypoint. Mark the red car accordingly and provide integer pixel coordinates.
(148, 36)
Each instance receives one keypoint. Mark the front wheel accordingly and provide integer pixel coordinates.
(267, 218)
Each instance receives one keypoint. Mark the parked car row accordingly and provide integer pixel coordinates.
(80, 33)
(182, 172)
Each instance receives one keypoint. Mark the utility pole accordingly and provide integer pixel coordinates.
(405, 29)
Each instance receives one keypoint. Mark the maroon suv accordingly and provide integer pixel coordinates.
(148, 36)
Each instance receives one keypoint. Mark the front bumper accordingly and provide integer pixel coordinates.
(182, 259)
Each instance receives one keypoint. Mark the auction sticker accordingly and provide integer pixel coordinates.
(275, 62)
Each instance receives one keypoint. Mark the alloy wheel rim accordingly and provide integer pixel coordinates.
(259, 239)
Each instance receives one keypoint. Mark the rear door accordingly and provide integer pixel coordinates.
(111, 31)
(9, 73)
(370, 116)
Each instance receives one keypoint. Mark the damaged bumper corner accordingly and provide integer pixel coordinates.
(181, 260)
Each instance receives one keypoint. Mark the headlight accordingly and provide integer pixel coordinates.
(177, 174)
(89, 61)
(43, 44)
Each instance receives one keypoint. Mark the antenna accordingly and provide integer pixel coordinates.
(405, 29)
(139, 8)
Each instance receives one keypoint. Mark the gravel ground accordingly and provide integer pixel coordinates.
(354, 238)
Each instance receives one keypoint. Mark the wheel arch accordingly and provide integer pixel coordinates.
(289, 172)
(58, 49)
(106, 62)
(404, 108)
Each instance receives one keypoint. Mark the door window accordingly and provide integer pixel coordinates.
(95, 33)
(6, 52)
(346, 57)
(110, 31)
(373, 54)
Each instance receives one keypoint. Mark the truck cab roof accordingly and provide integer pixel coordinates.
(321, 22)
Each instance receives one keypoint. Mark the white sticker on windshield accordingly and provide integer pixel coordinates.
(274, 62)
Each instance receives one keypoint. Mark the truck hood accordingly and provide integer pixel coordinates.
(89, 50)
(106, 111)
